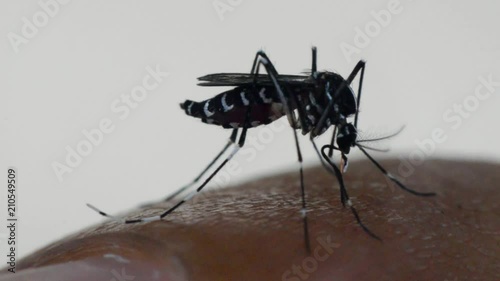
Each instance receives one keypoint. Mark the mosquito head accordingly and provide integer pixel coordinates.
(346, 137)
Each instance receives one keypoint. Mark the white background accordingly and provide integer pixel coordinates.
(64, 79)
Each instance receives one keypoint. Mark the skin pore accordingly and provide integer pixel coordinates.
(254, 232)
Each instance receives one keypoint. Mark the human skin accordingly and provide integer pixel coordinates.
(254, 232)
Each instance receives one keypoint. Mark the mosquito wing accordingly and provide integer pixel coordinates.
(241, 79)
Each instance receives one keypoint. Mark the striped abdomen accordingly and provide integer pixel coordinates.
(229, 109)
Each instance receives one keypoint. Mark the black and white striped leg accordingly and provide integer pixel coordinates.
(262, 59)
(190, 195)
(303, 211)
(232, 141)
(340, 179)
(393, 178)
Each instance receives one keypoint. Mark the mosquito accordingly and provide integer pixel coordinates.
(312, 103)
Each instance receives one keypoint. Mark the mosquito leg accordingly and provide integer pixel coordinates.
(332, 142)
(262, 59)
(326, 111)
(314, 65)
(360, 66)
(323, 163)
(340, 179)
(303, 211)
(259, 57)
(232, 141)
(255, 68)
(343, 197)
(190, 195)
(285, 97)
(393, 178)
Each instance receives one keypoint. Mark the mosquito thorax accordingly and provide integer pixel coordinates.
(340, 91)
(334, 94)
